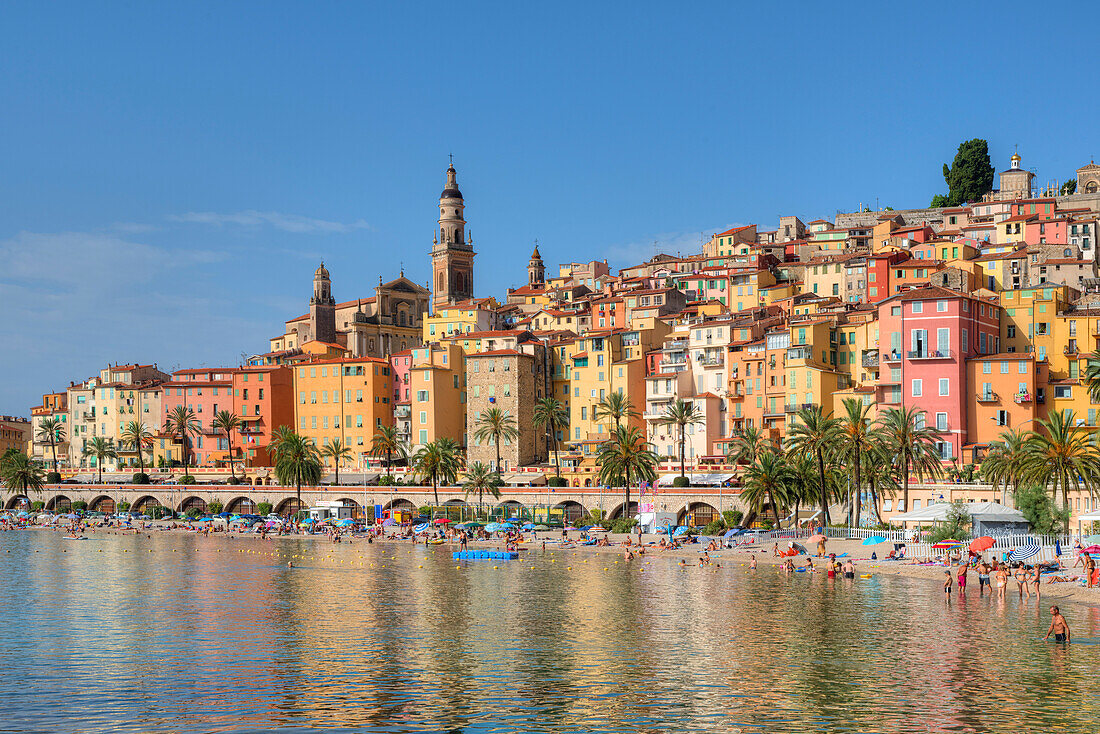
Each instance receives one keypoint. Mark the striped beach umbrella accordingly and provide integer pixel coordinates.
(1024, 552)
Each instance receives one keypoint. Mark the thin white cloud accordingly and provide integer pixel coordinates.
(252, 218)
(74, 301)
(625, 254)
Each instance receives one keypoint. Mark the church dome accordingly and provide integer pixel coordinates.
(451, 192)
(321, 272)
(1016, 158)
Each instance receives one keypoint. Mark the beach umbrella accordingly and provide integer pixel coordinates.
(422, 527)
(680, 530)
(1091, 549)
(597, 529)
(944, 544)
(1023, 552)
(492, 527)
(507, 526)
(441, 521)
(541, 527)
(817, 538)
(873, 540)
(528, 526)
(983, 543)
(389, 521)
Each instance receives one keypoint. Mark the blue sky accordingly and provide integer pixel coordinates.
(171, 174)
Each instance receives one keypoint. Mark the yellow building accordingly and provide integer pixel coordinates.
(476, 314)
(346, 399)
(437, 380)
(1030, 322)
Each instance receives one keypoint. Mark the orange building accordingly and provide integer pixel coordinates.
(1006, 392)
(346, 399)
(263, 397)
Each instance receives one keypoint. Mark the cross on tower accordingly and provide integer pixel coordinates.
(452, 157)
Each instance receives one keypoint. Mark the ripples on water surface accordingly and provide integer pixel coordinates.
(197, 636)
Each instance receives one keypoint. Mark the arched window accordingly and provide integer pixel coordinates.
(458, 235)
(442, 235)
(1091, 187)
(1067, 252)
(440, 282)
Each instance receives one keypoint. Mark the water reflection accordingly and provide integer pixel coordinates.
(221, 635)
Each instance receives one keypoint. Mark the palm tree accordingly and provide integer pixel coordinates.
(337, 451)
(227, 422)
(615, 407)
(52, 430)
(1092, 376)
(1004, 463)
(100, 449)
(816, 435)
(493, 425)
(881, 471)
(856, 439)
(480, 478)
(182, 422)
(911, 444)
(627, 455)
(20, 473)
(387, 442)
(1059, 455)
(551, 416)
(298, 462)
(681, 413)
(137, 435)
(748, 445)
(767, 479)
(440, 462)
(802, 486)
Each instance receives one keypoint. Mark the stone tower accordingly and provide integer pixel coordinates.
(536, 271)
(452, 250)
(322, 308)
(1016, 181)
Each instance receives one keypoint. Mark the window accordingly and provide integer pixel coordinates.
(987, 368)
(941, 306)
(1004, 368)
(918, 307)
(1063, 391)
(945, 387)
(917, 388)
(941, 421)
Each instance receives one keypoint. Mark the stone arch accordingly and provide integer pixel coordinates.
(17, 501)
(289, 506)
(143, 504)
(356, 507)
(617, 511)
(102, 503)
(697, 514)
(571, 510)
(192, 503)
(241, 506)
(511, 508)
(59, 503)
(1092, 187)
(401, 504)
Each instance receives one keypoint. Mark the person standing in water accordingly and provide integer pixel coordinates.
(1058, 626)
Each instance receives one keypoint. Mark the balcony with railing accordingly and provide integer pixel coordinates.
(870, 358)
(674, 358)
(795, 407)
(800, 352)
(988, 397)
(676, 344)
(893, 356)
(930, 354)
(402, 411)
(1071, 348)
(711, 359)
(87, 416)
(1022, 398)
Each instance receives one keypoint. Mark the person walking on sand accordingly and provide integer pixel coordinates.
(1058, 626)
(821, 547)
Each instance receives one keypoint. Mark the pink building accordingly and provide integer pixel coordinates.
(925, 337)
(205, 391)
(400, 365)
(1046, 231)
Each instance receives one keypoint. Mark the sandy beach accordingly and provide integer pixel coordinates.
(724, 560)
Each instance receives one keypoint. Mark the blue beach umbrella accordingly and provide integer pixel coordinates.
(528, 526)
(1024, 552)
(874, 540)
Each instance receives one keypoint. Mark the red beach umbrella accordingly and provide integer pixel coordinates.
(442, 521)
(947, 544)
(815, 538)
(983, 543)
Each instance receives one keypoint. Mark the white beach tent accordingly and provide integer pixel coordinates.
(1087, 519)
(986, 516)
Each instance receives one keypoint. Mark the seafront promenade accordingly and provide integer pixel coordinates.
(572, 502)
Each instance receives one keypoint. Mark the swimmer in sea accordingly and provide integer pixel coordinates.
(1058, 626)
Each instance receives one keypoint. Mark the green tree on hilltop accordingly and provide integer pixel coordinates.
(969, 177)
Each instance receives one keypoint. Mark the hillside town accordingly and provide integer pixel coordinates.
(982, 315)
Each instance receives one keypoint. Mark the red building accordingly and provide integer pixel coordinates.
(205, 392)
(925, 337)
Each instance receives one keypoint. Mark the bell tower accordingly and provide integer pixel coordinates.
(322, 308)
(452, 249)
(536, 271)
